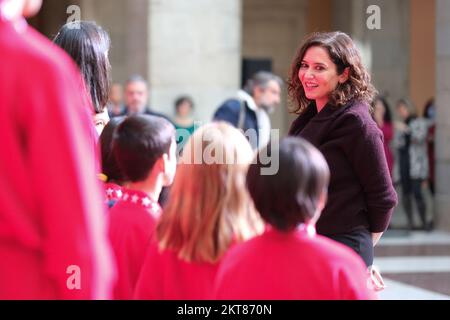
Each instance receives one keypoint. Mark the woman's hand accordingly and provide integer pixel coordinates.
(376, 237)
(375, 280)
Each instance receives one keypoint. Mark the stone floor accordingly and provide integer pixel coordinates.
(415, 265)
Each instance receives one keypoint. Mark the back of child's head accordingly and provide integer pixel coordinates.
(110, 167)
(290, 196)
(209, 207)
(139, 141)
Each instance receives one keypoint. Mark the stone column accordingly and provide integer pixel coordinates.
(442, 145)
(194, 48)
(273, 29)
(127, 24)
(385, 52)
(423, 44)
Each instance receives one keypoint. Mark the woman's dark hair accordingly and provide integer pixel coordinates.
(261, 79)
(291, 195)
(181, 100)
(387, 114)
(344, 54)
(429, 109)
(138, 142)
(110, 167)
(88, 45)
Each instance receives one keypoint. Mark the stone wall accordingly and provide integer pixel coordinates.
(273, 29)
(442, 200)
(194, 48)
(386, 52)
(127, 24)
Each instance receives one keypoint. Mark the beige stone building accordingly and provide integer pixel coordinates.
(196, 47)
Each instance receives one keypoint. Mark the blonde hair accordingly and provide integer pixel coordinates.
(209, 207)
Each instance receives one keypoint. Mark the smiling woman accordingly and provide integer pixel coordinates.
(329, 57)
(319, 75)
(332, 93)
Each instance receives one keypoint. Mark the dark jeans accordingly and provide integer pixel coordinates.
(360, 241)
(411, 187)
(414, 187)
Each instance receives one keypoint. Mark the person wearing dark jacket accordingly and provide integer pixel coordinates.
(250, 110)
(332, 90)
(136, 98)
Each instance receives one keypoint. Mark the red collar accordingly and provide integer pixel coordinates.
(113, 191)
(141, 198)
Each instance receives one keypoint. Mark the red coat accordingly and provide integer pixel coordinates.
(388, 134)
(132, 224)
(51, 206)
(289, 266)
(166, 277)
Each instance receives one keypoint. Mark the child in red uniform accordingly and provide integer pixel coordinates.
(145, 150)
(208, 210)
(53, 240)
(289, 261)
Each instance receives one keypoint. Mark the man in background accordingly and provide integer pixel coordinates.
(115, 104)
(136, 97)
(251, 108)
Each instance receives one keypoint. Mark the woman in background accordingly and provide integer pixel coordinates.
(430, 114)
(383, 118)
(183, 122)
(413, 160)
(88, 45)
